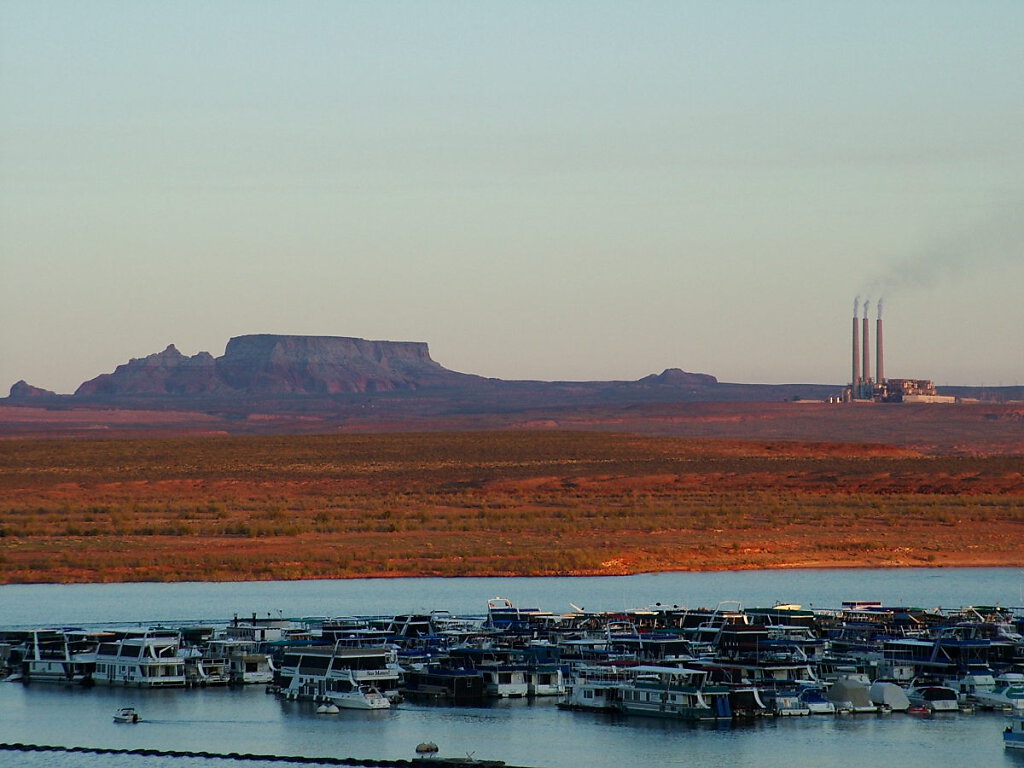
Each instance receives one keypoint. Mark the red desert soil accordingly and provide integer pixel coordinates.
(967, 429)
(491, 503)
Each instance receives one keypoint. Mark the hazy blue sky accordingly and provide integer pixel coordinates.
(550, 190)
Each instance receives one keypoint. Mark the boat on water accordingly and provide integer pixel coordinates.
(1013, 734)
(597, 687)
(814, 698)
(246, 664)
(786, 702)
(360, 696)
(458, 686)
(935, 697)
(674, 692)
(148, 659)
(127, 715)
(1008, 693)
(352, 678)
(58, 656)
(889, 695)
(849, 694)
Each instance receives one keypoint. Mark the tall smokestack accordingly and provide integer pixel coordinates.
(855, 381)
(879, 368)
(866, 347)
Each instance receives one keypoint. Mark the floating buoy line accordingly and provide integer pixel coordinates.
(424, 761)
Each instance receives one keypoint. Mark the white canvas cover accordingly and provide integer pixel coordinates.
(889, 695)
(846, 690)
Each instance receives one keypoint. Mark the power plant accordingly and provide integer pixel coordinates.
(863, 387)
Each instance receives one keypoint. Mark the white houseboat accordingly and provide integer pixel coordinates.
(353, 678)
(147, 659)
(595, 686)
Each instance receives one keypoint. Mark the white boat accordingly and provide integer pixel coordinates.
(328, 709)
(126, 715)
(1008, 693)
(360, 697)
(937, 698)
(813, 697)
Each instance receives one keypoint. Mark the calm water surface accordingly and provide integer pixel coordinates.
(519, 732)
(49, 604)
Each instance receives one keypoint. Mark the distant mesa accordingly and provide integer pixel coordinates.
(22, 390)
(269, 364)
(677, 377)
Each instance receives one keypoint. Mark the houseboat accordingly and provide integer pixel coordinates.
(348, 677)
(148, 659)
(57, 656)
(246, 664)
(457, 686)
(674, 692)
(596, 686)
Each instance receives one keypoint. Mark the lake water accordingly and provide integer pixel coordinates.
(520, 732)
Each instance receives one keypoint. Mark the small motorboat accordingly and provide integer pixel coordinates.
(327, 709)
(126, 715)
(360, 697)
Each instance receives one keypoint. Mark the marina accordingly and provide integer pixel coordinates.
(618, 684)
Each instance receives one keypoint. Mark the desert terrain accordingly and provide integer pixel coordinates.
(517, 501)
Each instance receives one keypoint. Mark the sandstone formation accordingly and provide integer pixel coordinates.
(22, 390)
(163, 373)
(273, 364)
(270, 364)
(677, 377)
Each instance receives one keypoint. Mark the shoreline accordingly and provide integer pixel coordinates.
(951, 563)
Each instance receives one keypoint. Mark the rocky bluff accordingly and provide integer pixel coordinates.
(270, 364)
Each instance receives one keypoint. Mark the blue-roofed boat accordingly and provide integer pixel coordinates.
(1013, 735)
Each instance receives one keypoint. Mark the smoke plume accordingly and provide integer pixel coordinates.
(989, 245)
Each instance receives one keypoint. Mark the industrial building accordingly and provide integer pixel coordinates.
(864, 388)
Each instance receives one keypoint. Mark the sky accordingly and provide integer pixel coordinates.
(538, 190)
